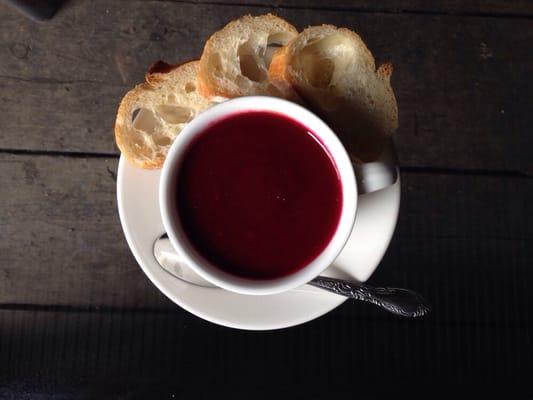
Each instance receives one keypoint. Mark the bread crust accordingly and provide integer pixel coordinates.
(358, 101)
(129, 102)
(166, 85)
(327, 69)
(220, 73)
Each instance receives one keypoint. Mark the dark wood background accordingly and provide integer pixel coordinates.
(78, 319)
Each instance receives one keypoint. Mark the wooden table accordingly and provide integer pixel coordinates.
(78, 318)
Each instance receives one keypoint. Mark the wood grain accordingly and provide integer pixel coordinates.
(61, 242)
(463, 88)
(134, 355)
(60, 237)
(78, 318)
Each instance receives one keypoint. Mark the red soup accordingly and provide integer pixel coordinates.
(258, 195)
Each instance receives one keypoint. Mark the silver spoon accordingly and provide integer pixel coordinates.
(398, 301)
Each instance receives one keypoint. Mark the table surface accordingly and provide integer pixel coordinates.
(78, 318)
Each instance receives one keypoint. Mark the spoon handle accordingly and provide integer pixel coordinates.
(402, 302)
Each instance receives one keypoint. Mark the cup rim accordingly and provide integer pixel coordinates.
(211, 272)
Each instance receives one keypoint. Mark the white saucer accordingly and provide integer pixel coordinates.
(137, 193)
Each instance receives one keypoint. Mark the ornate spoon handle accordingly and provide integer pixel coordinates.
(402, 302)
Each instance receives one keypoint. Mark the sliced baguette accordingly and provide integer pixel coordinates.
(235, 59)
(152, 114)
(335, 73)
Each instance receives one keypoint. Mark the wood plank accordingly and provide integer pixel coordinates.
(134, 355)
(60, 236)
(464, 92)
(492, 7)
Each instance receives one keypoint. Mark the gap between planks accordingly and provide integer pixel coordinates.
(174, 308)
(404, 168)
(359, 10)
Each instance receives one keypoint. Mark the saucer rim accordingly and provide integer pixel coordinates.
(177, 299)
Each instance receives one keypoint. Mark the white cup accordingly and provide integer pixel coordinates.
(177, 235)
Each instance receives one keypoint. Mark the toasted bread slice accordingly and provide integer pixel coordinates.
(235, 59)
(152, 114)
(335, 73)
